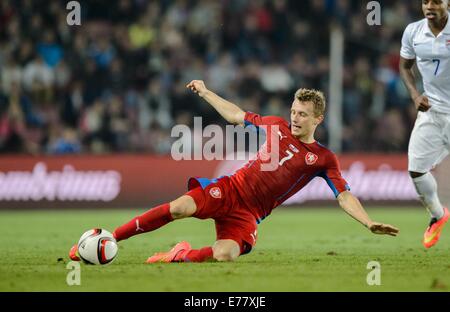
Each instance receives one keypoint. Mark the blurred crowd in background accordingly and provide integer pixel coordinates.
(117, 82)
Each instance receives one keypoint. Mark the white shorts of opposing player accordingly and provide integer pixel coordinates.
(428, 146)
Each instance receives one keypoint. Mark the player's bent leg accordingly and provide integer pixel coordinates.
(223, 250)
(182, 252)
(226, 250)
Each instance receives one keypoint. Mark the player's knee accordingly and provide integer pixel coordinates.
(226, 252)
(182, 207)
(415, 175)
(224, 256)
(178, 211)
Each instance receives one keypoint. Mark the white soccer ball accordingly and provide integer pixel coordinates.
(97, 246)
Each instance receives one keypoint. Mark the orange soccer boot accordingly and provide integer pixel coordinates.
(431, 235)
(176, 254)
(73, 253)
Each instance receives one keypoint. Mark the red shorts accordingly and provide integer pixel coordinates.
(218, 200)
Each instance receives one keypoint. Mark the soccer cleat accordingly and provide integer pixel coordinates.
(73, 253)
(431, 235)
(176, 254)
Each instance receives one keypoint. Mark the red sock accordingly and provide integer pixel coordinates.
(199, 255)
(146, 222)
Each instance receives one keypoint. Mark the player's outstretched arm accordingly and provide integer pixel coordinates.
(353, 207)
(229, 111)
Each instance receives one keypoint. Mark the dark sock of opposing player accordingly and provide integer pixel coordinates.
(149, 221)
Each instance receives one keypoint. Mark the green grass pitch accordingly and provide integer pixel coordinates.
(311, 249)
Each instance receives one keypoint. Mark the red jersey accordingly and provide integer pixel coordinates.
(297, 164)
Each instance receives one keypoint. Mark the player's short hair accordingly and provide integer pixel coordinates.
(314, 96)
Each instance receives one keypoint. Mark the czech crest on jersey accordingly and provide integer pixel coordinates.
(311, 158)
(215, 192)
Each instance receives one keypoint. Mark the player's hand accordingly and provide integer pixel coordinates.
(380, 228)
(421, 103)
(197, 86)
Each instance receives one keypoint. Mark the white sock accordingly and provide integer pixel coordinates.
(426, 187)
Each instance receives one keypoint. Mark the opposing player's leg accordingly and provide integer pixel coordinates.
(426, 150)
(151, 220)
(427, 189)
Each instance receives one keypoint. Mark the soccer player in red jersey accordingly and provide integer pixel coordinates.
(239, 202)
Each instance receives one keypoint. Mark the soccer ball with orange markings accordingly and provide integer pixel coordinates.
(97, 246)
